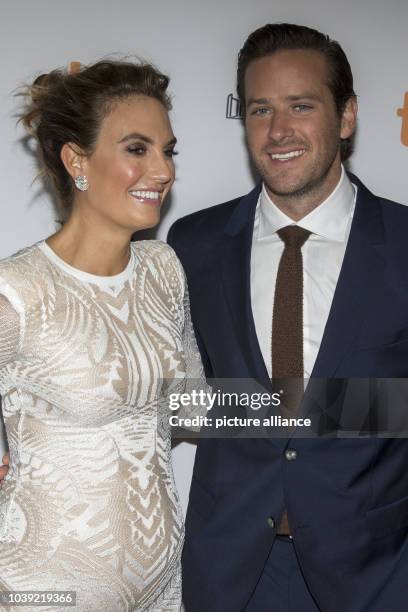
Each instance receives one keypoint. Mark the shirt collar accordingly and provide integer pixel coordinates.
(330, 219)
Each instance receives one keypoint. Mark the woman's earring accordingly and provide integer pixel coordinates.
(81, 182)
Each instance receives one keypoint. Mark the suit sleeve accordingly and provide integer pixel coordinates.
(171, 238)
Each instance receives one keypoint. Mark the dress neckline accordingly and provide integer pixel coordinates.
(86, 277)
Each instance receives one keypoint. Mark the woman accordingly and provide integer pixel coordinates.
(94, 331)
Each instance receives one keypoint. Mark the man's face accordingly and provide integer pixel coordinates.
(292, 126)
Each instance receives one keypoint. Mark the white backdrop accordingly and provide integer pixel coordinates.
(196, 43)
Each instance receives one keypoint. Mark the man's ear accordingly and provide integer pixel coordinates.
(74, 159)
(349, 118)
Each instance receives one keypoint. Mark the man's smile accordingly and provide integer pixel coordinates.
(284, 157)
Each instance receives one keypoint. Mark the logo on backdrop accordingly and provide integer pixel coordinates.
(403, 113)
(233, 108)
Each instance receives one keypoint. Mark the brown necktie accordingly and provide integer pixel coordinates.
(287, 328)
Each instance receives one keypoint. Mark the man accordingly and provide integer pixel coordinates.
(298, 524)
(280, 524)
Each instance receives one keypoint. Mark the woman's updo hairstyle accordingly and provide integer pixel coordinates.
(69, 106)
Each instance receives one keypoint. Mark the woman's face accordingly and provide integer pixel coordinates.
(131, 169)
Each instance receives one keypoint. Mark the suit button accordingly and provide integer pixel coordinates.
(290, 454)
(271, 522)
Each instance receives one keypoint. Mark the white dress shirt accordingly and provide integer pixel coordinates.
(322, 254)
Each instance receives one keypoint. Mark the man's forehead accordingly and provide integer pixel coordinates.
(296, 73)
(304, 63)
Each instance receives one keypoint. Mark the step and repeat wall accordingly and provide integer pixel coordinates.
(196, 43)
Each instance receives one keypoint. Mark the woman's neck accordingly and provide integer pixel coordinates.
(91, 248)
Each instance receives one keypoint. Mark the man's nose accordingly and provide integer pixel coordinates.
(280, 127)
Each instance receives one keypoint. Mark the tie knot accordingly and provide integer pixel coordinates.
(293, 235)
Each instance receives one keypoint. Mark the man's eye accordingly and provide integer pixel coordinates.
(302, 108)
(260, 111)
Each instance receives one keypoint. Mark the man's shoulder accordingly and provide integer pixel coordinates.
(389, 207)
(394, 209)
(394, 216)
(208, 226)
(214, 217)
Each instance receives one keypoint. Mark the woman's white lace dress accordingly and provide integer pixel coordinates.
(86, 362)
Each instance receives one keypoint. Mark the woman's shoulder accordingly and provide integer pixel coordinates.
(16, 274)
(160, 257)
(153, 248)
(20, 265)
(155, 252)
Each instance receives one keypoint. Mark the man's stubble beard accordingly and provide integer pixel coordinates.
(308, 188)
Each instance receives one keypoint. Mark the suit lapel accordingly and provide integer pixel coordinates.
(236, 282)
(358, 284)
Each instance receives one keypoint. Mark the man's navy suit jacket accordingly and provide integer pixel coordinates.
(347, 499)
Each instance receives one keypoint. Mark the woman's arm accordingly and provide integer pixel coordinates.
(9, 342)
(9, 332)
(4, 468)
